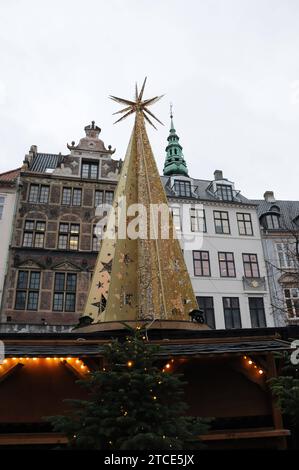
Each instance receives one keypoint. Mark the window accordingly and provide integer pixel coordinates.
(286, 255)
(257, 312)
(197, 220)
(176, 217)
(109, 195)
(96, 237)
(66, 196)
(27, 292)
(226, 264)
(292, 302)
(271, 221)
(251, 267)
(182, 188)
(2, 201)
(98, 198)
(44, 194)
(64, 298)
(231, 310)
(71, 197)
(34, 234)
(201, 263)
(68, 238)
(207, 305)
(225, 192)
(38, 193)
(90, 170)
(244, 224)
(221, 222)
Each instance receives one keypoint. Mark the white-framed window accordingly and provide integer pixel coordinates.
(285, 255)
(2, 202)
(176, 217)
(291, 297)
(197, 220)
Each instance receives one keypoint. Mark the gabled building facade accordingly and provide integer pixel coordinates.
(54, 244)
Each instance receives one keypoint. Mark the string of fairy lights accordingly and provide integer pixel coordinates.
(81, 367)
(250, 363)
(76, 363)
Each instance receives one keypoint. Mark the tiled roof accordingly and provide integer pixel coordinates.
(289, 210)
(42, 161)
(10, 176)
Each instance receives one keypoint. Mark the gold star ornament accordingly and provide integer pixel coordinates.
(139, 105)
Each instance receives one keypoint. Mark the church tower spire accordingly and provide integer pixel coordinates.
(174, 162)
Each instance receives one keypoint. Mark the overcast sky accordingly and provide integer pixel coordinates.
(231, 69)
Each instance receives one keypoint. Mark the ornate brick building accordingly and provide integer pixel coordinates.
(54, 243)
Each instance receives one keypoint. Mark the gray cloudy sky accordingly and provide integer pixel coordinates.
(231, 69)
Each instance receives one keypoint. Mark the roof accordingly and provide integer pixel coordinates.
(10, 176)
(81, 348)
(289, 210)
(183, 343)
(42, 161)
(201, 190)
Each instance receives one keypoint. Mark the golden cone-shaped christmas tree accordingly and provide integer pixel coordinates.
(140, 273)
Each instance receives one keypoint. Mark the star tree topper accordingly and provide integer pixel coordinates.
(139, 105)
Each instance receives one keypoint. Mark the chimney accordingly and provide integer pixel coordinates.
(218, 175)
(269, 196)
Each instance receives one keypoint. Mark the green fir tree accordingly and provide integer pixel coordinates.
(285, 388)
(133, 404)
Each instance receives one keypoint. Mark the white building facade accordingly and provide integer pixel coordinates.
(8, 198)
(221, 239)
(220, 236)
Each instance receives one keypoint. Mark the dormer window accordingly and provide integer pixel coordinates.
(296, 221)
(182, 188)
(271, 221)
(224, 192)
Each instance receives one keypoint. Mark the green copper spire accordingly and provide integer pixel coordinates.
(174, 163)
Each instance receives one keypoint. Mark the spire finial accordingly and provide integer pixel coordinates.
(174, 163)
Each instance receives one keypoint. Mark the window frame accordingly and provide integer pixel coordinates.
(201, 261)
(227, 263)
(258, 311)
(39, 188)
(223, 190)
(28, 290)
(96, 242)
(96, 193)
(62, 290)
(221, 219)
(197, 219)
(89, 164)
(231, 310)
(71, 199)
(209, 310)
(244, 222)
(2, 205)
(181, 184)
(291, 302)
(35, 233)
(251, 264)
(68, 235)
